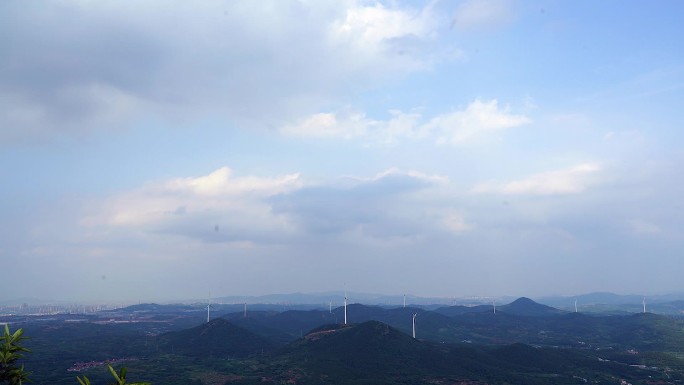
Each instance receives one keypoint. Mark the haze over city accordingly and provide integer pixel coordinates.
(159, 151)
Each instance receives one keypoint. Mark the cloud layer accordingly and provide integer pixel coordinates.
(100, 66)
(478, 121)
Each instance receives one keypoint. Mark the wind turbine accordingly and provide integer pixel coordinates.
(644, 303)
(404, 300)
(414, 325)
(208, 307)
(330, 307)
(575, 305)
(345, 307)
(494, 305)
(245, 309)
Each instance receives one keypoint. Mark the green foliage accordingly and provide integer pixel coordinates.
(119, 377)
(10, 353)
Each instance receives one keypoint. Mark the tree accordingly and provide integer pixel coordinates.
(11, 351)
(119, 377)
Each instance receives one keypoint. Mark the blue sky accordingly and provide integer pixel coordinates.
(159, 150)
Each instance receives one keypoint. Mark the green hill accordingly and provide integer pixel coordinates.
(215, 338)
(370, 352)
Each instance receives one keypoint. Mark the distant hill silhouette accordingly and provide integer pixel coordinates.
(215, 338)
(526, 307)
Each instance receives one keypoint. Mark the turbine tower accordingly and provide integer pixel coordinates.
(644, 303)
(404, 300)
(208, 307)
(575, 305)
(345, 307)
(245, 309)
(330, 307)
(414, 325)
(494, 306)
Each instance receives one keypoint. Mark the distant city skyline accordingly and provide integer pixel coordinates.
(162, 150)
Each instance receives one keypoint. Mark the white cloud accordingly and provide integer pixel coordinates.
(373, 30)
(480, 119)
(351, 125)
(371, 25)
(567, 181)
(411, 174)
(354, 125)
(220, 183)
(94, 66)
(482, 13)
(193, 206)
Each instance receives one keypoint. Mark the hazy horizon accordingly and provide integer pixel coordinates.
(470, 148)
(338, 295)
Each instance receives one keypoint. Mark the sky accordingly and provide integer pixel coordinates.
(160, 150)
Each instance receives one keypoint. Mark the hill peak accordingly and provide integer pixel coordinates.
(527, 307)
(523, 301)
(216, 323)
(367, 342)
(373, 335)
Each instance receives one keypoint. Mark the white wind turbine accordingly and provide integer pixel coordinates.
(345, 307)
(575, 305)
(404, 300)
(644, 303)
(494, 305)
(208, 307)
(414, 325)
(330, 307)
(245, 309)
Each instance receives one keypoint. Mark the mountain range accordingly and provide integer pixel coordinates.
(523, 342)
